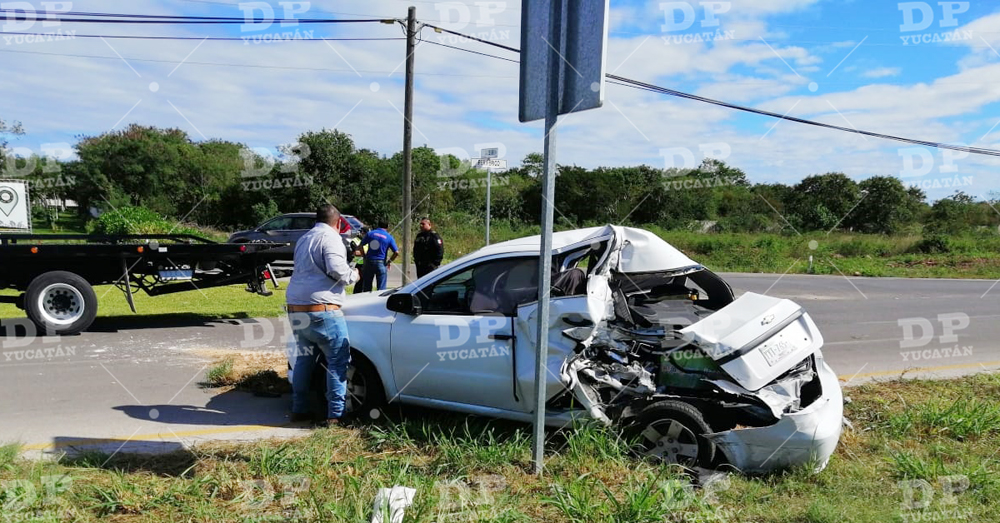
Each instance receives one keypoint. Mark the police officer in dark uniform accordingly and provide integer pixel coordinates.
(428, 249)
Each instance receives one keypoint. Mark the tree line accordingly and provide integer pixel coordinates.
(225, 185)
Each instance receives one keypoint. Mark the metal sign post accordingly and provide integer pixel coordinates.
(563, 45)
(489, 185)
(488, 155)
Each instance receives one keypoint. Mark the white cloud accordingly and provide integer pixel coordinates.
(882, 72)
(464, 99)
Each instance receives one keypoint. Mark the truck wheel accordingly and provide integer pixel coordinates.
(672, 432)
(60, 302)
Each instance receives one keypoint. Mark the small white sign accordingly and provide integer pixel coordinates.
(492, 152)
(14, 205)
(490, 163)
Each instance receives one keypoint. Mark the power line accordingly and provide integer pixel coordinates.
(228, 4)
(616, 80)
(177, 20)
(70, 36)
(470, 37)
(672, 92)
(471, 51)
(111, 18)
(514, 7)
(255, 66)
(635, 84)
(38, 15)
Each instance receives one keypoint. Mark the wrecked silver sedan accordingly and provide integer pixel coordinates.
(640, 337)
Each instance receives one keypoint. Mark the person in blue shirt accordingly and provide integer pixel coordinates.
(376, 265)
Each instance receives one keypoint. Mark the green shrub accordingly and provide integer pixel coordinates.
(745, 223)
(934, 244)
(135, 220)
(865, 246)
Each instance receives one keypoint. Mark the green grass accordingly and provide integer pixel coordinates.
(69, 222)
(959, 419)
(473, 469)
(221, 374)
(972, 256)
(230, 302)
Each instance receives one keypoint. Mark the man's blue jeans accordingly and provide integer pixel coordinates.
(320, 333)
(374, 269)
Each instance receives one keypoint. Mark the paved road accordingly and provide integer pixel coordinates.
(136, 387)
(880, 327)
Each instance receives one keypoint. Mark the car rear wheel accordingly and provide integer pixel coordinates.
(672, 432)
(60, 302)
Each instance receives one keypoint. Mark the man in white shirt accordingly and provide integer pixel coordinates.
(314, 296)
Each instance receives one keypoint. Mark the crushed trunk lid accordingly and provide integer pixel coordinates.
(756, 338)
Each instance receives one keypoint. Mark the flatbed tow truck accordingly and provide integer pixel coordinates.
(56, 273)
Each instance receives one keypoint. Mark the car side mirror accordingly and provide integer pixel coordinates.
(404, 303)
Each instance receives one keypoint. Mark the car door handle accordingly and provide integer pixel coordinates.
(503, 337)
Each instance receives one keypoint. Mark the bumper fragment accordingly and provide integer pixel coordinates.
(808, 436)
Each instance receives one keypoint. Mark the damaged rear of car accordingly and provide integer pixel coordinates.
(644, 338)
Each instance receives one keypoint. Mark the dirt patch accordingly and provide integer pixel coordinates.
(961, 263)
(260, 372)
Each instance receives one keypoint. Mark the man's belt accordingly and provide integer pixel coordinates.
(316, 307)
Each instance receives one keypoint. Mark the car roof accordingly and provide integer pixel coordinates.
(641, 251)
(532, 244)
(644, 251)
(313, 215)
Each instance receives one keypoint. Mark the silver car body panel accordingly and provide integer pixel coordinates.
(768, 348)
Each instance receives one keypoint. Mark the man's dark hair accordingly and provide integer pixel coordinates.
(383, 224)
(327, 214)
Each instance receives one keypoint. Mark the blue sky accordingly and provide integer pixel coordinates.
(867, 65)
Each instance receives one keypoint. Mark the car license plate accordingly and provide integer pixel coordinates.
(776, 349)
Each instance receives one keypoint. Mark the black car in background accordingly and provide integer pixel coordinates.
(288, 228)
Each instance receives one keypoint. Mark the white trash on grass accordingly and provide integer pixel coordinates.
(390, 504)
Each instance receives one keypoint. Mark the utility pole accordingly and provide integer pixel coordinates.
(411, 40)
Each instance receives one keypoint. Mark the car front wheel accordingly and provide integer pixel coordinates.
(365, 394)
